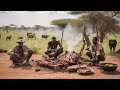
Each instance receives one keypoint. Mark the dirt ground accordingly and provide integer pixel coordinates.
(6, 72)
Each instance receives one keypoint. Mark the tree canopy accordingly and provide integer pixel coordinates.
(64, 22)
(103, 22)
(60, 22)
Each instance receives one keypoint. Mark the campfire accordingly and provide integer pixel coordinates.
(70, 57)
(65, 60)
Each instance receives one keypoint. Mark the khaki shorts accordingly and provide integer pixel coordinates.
(17, 59)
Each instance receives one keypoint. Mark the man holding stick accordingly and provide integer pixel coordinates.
(96, 52)
(52, 50)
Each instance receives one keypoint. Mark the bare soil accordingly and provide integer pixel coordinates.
(6, 72)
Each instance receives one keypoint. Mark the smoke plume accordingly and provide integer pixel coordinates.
(72, 35)
(89, 29)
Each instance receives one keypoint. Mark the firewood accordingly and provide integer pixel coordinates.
(52, 65)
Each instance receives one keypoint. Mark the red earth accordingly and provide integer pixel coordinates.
(6, 72)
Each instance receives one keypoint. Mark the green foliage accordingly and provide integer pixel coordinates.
(61, 22)
(39, 45)
(103, 23)
(64, 22)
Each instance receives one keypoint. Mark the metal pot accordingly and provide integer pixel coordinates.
(109, 67)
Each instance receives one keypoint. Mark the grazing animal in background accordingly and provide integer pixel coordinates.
(31, 36)
(112, 45)
(8, 37)
(0, 35)
(45, 36)
(20, 37)
(28, 34)
(7, 31)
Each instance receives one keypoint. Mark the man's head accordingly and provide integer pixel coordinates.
(20, 42)
(53, 39)
(94, 40)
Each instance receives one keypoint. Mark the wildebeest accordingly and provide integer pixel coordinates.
(112, 45)
(0, 35)
(7, 31)
(45, 36)
(30, 35)
(8, 37)
(20, 37)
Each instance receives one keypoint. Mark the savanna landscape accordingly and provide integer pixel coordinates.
(104, 24)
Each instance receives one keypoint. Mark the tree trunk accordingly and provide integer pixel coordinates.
(102, 36)
(96, 31)
(86, 37)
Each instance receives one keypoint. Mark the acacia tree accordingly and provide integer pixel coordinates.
(60, 22)
(63, 22)
(103, 22)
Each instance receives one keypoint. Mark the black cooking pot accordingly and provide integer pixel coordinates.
(109, 67)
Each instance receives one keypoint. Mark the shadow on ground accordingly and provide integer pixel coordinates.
(111, 73)
(26, 67)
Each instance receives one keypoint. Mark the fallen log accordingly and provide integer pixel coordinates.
(52, 64)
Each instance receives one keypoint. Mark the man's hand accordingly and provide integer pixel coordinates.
(9, 53)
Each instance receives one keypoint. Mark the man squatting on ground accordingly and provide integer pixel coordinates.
(20, 53)
(96, 52)
(52, 50)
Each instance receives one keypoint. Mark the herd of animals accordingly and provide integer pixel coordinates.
(112, 43)
(29, 36)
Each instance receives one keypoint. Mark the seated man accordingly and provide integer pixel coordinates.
(20, 53)
(52, 50)
(96, 52)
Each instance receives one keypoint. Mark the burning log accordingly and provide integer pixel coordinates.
(69, 57)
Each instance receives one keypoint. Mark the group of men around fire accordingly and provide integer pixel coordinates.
(21, 54)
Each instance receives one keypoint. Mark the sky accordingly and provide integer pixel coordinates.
(31, 18)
